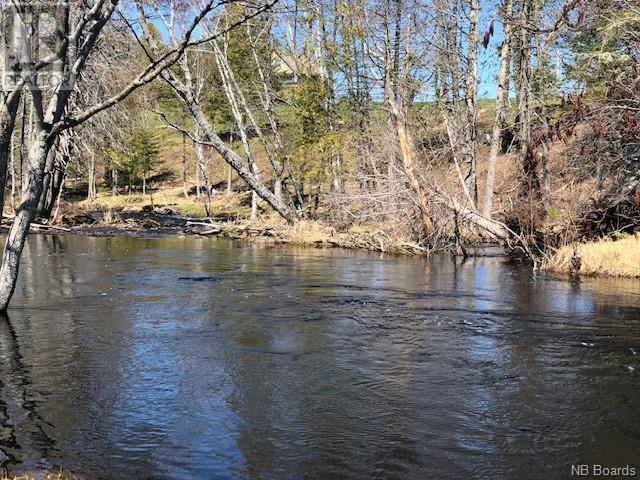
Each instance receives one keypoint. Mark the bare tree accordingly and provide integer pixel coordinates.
(184, 91)
(396, 56)
(471, 88)
(77, 32)
(502, 97)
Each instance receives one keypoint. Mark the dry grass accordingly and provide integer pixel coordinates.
(619, 258)
(308, 232)
(170, 197)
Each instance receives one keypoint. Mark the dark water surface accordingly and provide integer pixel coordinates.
(195, 358)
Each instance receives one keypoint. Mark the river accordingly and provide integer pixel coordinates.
(196, 358)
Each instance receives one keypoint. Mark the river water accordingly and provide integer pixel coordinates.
(180, 358)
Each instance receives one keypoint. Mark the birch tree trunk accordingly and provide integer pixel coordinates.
(25, 214)
(267, 104)
(239, 109)
(210, 137)
(185, 190)
(12, 173)
(91, 191)
(8, 112)
(203, 173)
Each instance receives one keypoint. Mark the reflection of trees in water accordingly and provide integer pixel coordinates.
(311, 397)
(48, 374)
(47, 271)
(22, 433)
(544, 385)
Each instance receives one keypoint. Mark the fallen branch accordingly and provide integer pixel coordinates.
(494, 228)
(52, 227)
(37, 225)
(202, 224)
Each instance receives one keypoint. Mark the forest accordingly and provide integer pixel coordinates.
(431, 125)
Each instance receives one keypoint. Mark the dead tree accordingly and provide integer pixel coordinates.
(471, 87)
(502, 96)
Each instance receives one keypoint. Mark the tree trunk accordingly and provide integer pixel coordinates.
(38, 153)
(267, 103)
(46, 182)
(114, 182)
(239, 109)
(54, 216)
(8, 114)
(496, 229)
(407, 150)
(546, 176)
(254, 205)
(502, 94)
(277, 187)
(470, 100)
(12, 173)
(229, 156)
(185, 190)
(91, 191)
(55, 190)
(543, 117)
(203, 174)
(531, 182)
(198, 180)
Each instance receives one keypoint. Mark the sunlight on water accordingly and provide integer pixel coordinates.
(197, 358)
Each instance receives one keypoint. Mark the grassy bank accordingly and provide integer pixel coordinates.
(618, 258)
(232, 206)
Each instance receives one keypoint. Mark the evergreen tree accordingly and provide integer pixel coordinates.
(145, 151)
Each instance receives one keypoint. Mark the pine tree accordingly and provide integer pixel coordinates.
(145, 150)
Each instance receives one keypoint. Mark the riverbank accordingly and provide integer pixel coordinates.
(151, 221)
(615, 258)
(42, 475)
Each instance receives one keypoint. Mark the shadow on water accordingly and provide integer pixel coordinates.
(185, 358)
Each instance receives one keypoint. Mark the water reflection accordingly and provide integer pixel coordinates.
(195, 358)
(24, 432)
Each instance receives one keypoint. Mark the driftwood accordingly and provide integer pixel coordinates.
(52, 227)
(37, 225)
(495, 229)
